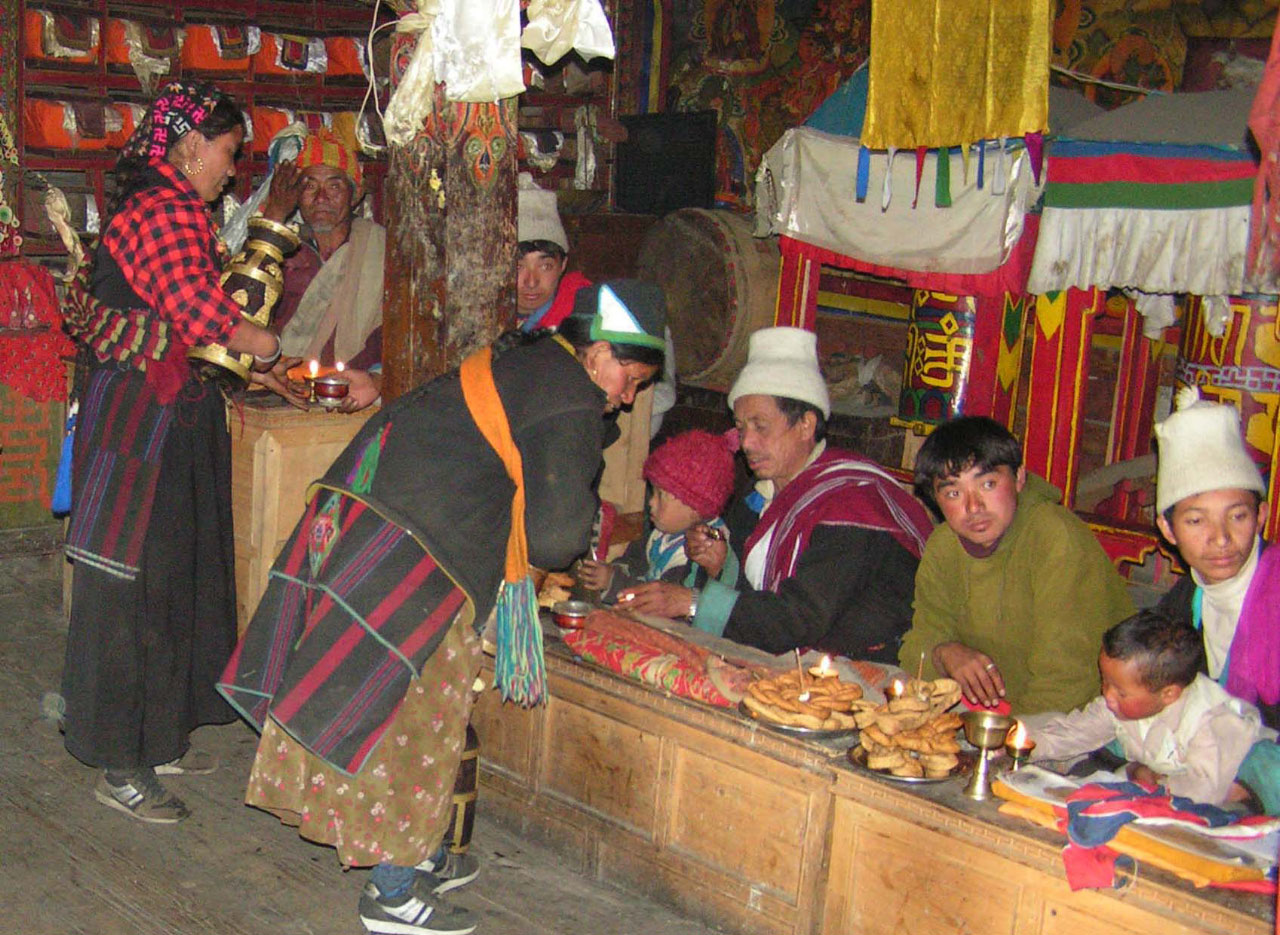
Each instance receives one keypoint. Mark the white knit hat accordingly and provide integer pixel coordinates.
(538, 217)
(1200, 449)
(783, 362)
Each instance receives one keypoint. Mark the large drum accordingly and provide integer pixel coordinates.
(721, 285)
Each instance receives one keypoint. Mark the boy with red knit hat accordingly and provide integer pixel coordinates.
(691, 479)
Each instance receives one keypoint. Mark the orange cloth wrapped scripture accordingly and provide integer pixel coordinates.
(44, 126)
(344, 56)
(200, 53)
(45, 33)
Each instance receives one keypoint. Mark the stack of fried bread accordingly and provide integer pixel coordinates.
(555, 588)
(912, 735)
(827, 704)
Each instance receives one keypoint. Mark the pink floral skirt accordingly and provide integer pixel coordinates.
(397, 808)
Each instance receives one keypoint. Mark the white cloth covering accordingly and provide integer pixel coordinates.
(1161, 252)
(805, 189)
(473, 46)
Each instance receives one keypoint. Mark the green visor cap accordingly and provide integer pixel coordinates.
(624, 311)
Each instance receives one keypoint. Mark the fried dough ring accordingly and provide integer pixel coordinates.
(910, 768)
(939, 762)
(890, 761)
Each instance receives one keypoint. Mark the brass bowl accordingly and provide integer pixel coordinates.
(986, 730)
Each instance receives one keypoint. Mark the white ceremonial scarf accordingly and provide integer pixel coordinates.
(1220, 611)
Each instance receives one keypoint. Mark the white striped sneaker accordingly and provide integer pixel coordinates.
(142, 796)
(192, 763)
(415, 913)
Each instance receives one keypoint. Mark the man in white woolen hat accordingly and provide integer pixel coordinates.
(1210, 500)
(544, 292)
(829, 541)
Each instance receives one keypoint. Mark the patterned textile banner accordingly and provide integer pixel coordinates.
(947, 72)
(9, 166)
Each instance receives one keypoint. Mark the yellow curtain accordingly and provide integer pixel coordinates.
(947, 72)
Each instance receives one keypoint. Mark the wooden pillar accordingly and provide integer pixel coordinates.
(451, 234)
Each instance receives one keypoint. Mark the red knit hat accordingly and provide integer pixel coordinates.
(695, 466)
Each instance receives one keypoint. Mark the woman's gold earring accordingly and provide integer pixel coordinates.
(186, 167)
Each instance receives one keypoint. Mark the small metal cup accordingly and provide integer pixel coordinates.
(330, 390)
(570, 615)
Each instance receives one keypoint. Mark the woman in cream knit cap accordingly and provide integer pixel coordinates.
(1211, 502)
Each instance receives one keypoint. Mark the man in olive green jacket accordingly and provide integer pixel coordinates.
(1013, 592)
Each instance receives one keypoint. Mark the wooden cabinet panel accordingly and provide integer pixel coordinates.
(739, 821)
(889, 875)
(759, 834)
(1094, 913)
(906, 879)
(601, 764)
(1069, 920)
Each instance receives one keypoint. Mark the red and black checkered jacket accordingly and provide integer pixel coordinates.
(164, 245)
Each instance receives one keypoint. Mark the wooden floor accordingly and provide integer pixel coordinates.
(70, 865)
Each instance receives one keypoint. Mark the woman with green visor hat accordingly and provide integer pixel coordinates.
(358, 664)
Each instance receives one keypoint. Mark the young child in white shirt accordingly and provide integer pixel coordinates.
(1177, 726)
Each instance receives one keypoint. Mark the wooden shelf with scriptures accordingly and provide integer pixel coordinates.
(85, 67)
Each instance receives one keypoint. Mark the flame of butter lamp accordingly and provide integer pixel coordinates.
(897, 689)
(987, 731)
(823, 669)
(1018, 745)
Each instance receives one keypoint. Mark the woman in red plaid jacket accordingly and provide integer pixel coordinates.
(153, 599)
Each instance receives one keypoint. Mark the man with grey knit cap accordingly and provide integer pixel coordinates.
(1210, 500)
(829, 541)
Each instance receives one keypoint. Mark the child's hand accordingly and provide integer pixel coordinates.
(593, 575)
(705, 547)
(1145, 775)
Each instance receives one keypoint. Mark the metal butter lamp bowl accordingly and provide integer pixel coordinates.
(987, 731)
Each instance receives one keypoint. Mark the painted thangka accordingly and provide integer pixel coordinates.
(764, 65)
(1121, 42)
